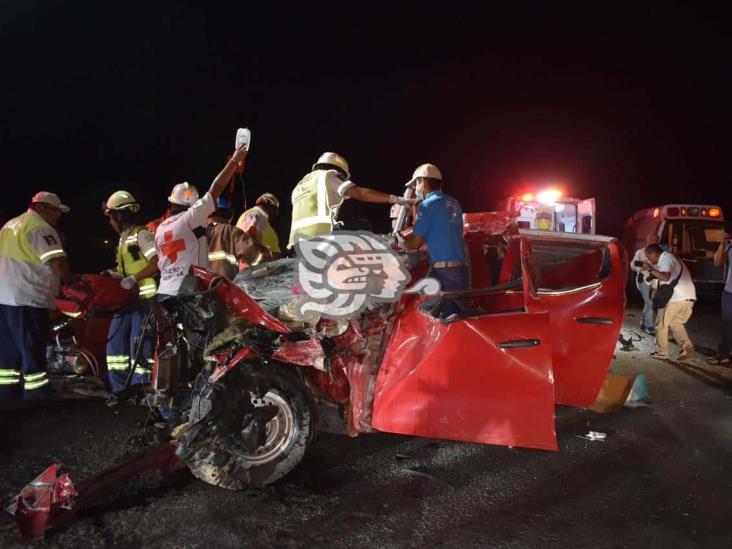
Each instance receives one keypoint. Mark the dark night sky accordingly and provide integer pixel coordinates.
(631, 105)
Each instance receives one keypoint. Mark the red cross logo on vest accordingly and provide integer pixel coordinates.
(171, 247)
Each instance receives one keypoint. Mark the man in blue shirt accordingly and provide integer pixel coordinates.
(439, 225)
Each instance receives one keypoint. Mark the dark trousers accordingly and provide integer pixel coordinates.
(725, 343)
(124, 333)
(452, 279)
(23, 337)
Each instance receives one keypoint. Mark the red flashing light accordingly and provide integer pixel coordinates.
(683, 211)
(715, 212)
(528, 197)
(704, 211)
(656, 212)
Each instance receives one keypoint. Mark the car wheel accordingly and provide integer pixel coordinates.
(248, 431)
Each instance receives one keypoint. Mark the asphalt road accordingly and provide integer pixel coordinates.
(663, 478)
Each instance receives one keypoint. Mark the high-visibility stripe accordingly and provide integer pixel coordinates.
(72, 315)
(142, 371)
(52, 253)
(147, 289)
(117, 358)
(35, 384)
(150, 253)
(308, 221)
(118, 367)
(34, 377)
(9, 373)
(221, 255)
(9, 381)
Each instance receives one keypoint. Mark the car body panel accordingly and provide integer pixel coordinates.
(486, 378)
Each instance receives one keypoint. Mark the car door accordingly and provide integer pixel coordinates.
(484, 379)
(585, 298)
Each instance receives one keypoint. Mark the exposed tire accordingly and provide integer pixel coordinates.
(249, 429)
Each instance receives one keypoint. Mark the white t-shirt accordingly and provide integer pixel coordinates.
(728, 285)
(685, 290)
(26, 282)
(640, 255)
(181, 243)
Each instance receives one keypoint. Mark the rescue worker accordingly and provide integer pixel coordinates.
(32, 263)
(681, 295)
(181, 239)
(438, 225)
(644, 286)
(257, 223)
(137, 264)
(318, 195)
(228, 246)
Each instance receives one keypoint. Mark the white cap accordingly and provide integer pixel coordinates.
(51, 199)
(183, 194)
(425, 170)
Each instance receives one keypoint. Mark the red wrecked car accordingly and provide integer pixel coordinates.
(539, 329)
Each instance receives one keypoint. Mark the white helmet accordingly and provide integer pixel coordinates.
(335, 160)
(183, 194)
(121, 200)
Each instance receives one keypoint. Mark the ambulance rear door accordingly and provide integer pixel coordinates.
(586, 216)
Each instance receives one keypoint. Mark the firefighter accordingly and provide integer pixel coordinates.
(32, 263)
(181, 239)
(228, 246)
(137, 264)
(318, 195)
(257, 223)
(439, 225)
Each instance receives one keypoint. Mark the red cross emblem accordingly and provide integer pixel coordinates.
(171, 247)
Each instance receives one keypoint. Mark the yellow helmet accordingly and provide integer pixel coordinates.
(335, 160)
(268, 198)
(121, 200)
(183, 194)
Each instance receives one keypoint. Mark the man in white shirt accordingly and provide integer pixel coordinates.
(32, 262)
(670, 270)
(647, 323)
(181, 238)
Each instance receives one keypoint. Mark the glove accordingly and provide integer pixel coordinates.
(393, 199)
(113, 274)
(128, 282)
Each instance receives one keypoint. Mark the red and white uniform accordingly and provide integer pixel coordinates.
(181, 243)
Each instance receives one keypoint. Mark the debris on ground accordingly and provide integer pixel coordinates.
(594, 435)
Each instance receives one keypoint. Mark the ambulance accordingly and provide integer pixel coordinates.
(691, 232)
(549, 210)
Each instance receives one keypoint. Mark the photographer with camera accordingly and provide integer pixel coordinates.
(723, 257)
(643, 281)
(673, 300)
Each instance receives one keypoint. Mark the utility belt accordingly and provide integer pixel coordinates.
(447, 264)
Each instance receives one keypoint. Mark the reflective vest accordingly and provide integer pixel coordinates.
(26, 277)
(130, 261)
(312, 214)
(14, 239)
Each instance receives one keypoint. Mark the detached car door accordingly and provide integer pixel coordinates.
(484, 379)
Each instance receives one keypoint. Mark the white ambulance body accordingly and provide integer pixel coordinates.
(691, 232)
(548, 210)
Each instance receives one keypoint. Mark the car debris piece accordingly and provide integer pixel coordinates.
(594, 435)
(627, 342)
(50, 500)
